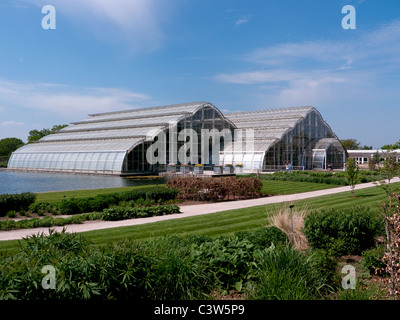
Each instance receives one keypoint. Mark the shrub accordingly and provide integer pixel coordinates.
(11, 214)
(44, 206)
(69, 206)
(15, 202)
(121, 213)
(104, 201)
(346, 231)
(323, 267)
(372, 260)
(284, 274)
(264, 237)
(176, 272)
(213, 189)
(227, 260)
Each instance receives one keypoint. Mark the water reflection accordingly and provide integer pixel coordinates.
(18, 182)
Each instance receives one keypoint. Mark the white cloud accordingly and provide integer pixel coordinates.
(11, 123)
(137, 23)
(66, 101)
(290, 53)
(319, 72)
(241, 21)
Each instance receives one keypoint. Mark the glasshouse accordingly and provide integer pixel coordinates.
(151, 140)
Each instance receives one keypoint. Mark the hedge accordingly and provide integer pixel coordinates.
(15, 202)
(214, 189)
(104, 201)
(121, 213)
(111, 214)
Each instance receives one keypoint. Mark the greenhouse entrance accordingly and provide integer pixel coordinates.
(328, 154)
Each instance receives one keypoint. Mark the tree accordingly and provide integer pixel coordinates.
(352, 174)
(366, 148)
(373, 161)
(351, 144)
(390, 168)
(9, 145)
(35, 135)
(393, 146)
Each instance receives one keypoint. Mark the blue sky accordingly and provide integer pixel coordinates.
(239, 55)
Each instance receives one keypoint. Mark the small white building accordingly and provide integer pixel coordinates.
(363, 156)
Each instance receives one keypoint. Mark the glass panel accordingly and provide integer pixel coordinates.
(118, 161)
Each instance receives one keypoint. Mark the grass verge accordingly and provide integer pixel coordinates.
(227, 222)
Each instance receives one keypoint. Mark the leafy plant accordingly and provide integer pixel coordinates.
(285, 274)
(15, 202)
(372, 260)
(352, 171)
(346, 231)
(104, 201)
(121, 213)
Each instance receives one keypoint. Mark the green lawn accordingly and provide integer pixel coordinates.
(60, 195)
(272, 187)
(227, 222)
(275, 187)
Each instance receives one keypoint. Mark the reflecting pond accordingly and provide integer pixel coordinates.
(18, 182)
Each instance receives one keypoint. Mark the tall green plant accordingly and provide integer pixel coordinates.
(389, 169)
(346, 231)
(352, 171)
(287, 274)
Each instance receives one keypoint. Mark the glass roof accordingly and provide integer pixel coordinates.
(269, 125)
(80, 146)
(129, 122)
(101, 134)
(177, 110)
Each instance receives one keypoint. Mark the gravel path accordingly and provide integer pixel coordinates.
(187, 211)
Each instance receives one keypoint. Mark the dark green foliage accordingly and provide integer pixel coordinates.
(103, 201)
(171, 267)
(15, 202)
(9, 145)
(283, 273)
(227, 259)
(264, 237)
(121, 213)
(112, 214)
(346, 231)
(323, 268)
(35, 135)
(176, 272)
(372, 260)
(44, 206)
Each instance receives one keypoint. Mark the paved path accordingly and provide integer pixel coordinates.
(187, 211)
